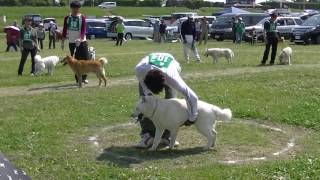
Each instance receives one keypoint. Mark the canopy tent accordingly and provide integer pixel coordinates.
(230, 10)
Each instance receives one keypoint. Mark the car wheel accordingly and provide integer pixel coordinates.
(128, 36)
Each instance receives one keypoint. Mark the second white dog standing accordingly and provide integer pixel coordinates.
(285, 56)
(45, 63)
(215, 53)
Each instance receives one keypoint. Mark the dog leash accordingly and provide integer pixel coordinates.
(74, 53)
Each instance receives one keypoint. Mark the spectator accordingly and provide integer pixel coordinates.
(188, 34)
(155, 72)
(52, 34)
(120, 31)
(41, 35)
(271, 39)
(204, 30)
(75, 27)
(12, 36)
(198, 29)
(240, 28)
(28, 44)
(156, 31)
(162, 31)
(233, 24)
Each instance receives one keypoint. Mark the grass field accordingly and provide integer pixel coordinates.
(46, 133)
(53, 130)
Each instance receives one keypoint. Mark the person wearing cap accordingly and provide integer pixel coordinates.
(188, 34)
(41, 35)
(120, 31)
(271, 39)
(28, 44)
(240, 28)
(52, 34)
(74, 27)
(156, 32)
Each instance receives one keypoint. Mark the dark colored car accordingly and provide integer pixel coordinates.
(97, 28)
(308, 32)
(35, 19)
(221, 28)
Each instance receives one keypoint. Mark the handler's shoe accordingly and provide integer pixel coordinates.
(166, 142)
(146, 141)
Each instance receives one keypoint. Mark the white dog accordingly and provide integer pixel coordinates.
(170, 114)
(285, 56)
(92, 53)
(45, 63)
(220, 52)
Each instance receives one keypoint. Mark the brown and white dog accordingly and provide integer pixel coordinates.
(80, 67)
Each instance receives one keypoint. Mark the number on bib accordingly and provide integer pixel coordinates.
(160, 60)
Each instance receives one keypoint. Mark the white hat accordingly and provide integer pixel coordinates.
(51, 22)
(41, 24)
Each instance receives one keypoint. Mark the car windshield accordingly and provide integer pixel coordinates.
(96, 24)
(37, 18)
(223, 19)
(260, 23)
(313, 21)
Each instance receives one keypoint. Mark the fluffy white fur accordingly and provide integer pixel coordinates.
(170, 114)
(285, 56)
(92, 53)
(220, 52)
(45, 63)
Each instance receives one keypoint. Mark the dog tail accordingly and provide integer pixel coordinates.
(223, 114)
(103, 60)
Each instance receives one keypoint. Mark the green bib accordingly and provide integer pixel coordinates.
(160, 60)
(273, 27)
(74, 23)
(27, 35)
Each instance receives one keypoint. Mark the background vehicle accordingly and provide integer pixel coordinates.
(107, 5)
(308, 32)
(46, 22)
(285, 26)
(183, 14)
(96, 28)
(222, 27)
(134, 28)
(35, 19)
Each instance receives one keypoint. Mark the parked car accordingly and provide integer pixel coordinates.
(46, 22)
(285, 27)
(35, 19)
(108, 5)
(221, 28)
(308, 32)
(179, 15)
(97, 28)
(134, 28)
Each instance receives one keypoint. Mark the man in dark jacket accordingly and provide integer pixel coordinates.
(162, 31)
(188, 34)
(271, 39)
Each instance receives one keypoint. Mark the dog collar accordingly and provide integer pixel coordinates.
(154, 110)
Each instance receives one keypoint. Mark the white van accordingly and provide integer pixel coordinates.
(108, 5)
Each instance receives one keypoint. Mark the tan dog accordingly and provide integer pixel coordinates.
(80, 67)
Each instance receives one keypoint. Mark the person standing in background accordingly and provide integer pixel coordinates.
(156, 31)
(41, 35)
(204, 30)
(163, 31)
(240, 28)
(52, 34)
(120, 31)
(198, 29)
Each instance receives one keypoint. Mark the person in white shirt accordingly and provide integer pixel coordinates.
(158, 71)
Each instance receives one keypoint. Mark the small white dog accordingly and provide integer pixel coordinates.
(220, 52)
(170, 114)
(92, 53)
(285, 56)
(45, 63)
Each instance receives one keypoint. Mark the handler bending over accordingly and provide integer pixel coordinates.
(155, 72)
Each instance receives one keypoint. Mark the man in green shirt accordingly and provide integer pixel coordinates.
(120, 31)
(240, 28)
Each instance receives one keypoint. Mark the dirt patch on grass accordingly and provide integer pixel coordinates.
(239, 141)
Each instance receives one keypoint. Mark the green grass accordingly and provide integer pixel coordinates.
(46, 134)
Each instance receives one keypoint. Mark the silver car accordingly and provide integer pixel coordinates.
(134, 28)
(285, 26)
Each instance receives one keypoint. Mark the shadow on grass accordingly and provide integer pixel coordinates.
(125, 156)
(55, 87)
